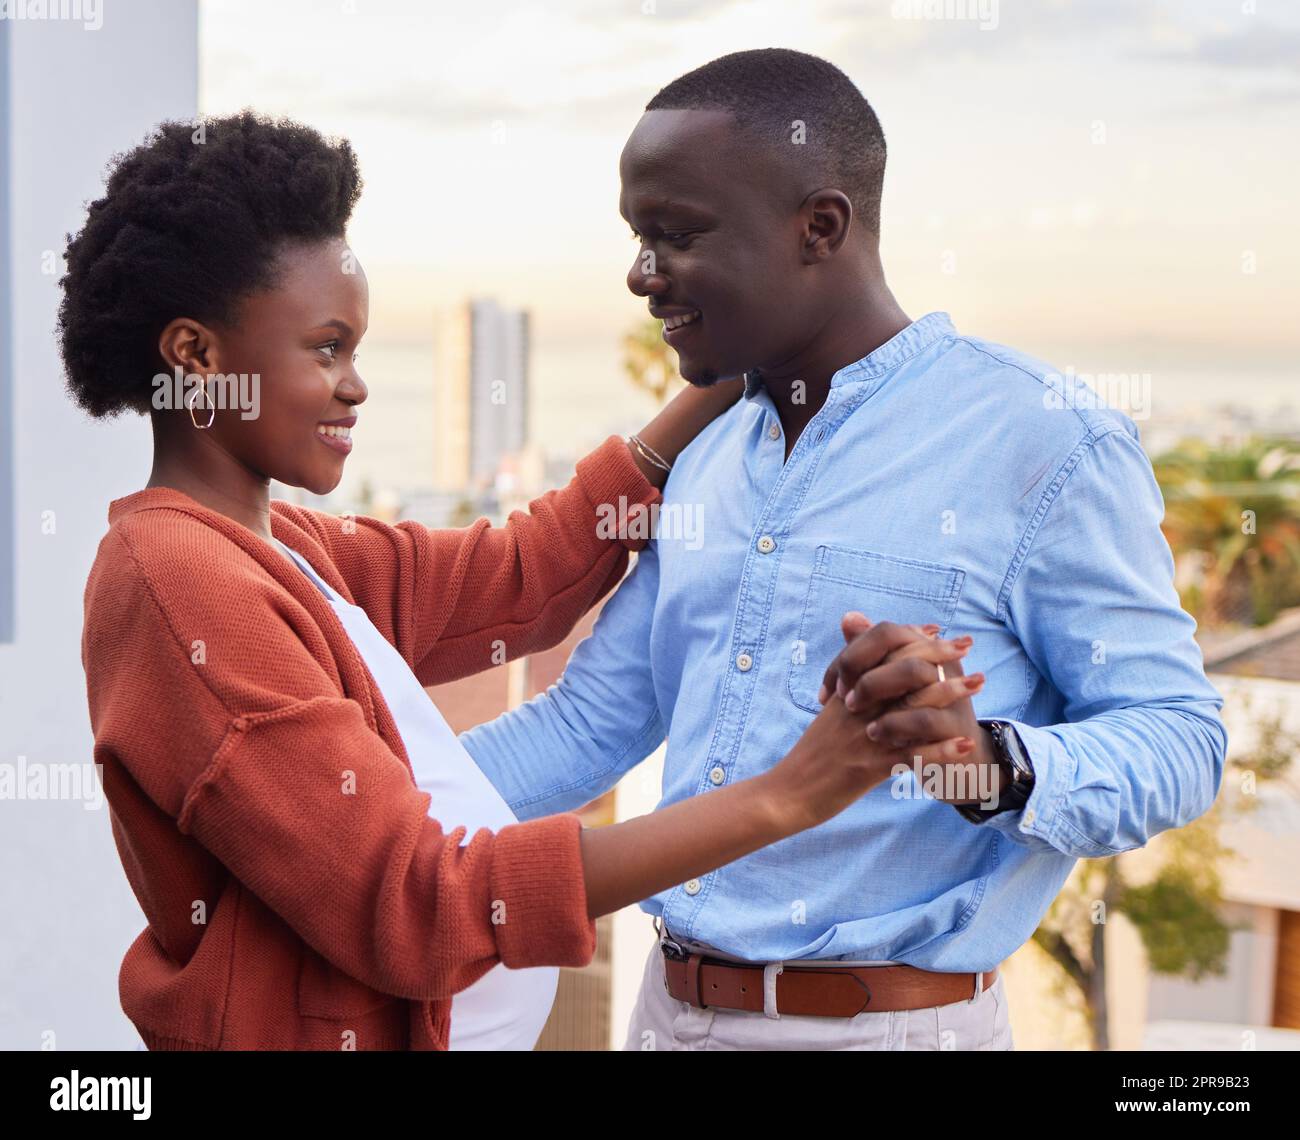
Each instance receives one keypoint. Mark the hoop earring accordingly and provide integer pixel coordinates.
(193, 399)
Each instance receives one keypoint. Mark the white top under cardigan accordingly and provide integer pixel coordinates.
(504, 1009)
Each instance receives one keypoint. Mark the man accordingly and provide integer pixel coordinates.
(881, 465)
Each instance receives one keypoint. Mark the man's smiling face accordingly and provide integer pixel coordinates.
(720, 219)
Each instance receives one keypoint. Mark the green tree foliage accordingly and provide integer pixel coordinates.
(1234, 513)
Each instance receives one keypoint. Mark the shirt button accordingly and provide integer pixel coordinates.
(717, 775)
(743, 662)
(1029, 816)
(766, 544)
(774, 432)
(692, 887)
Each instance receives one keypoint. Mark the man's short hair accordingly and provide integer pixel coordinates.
(770, 92)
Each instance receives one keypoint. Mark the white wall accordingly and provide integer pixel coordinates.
(1242, 996)
(74, 97)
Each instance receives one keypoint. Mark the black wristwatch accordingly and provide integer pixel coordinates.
(1015, 763)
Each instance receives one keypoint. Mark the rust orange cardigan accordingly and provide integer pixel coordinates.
(297, 893)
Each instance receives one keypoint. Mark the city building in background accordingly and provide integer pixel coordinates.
(481, 392)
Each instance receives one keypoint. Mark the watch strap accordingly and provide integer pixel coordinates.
(1015, 763)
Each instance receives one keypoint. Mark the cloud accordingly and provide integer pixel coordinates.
(1260, 47)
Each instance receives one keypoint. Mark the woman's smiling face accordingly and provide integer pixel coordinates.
(300, 338)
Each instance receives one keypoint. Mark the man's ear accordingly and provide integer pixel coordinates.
(828, 216)
(190, 344)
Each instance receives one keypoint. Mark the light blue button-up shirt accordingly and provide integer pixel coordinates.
(947, 480)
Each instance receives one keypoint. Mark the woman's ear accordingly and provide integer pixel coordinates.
(189, 344)
(827, 214)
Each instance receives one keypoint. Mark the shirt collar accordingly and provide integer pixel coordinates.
(919, 335)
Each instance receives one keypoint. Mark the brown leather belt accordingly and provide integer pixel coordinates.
(814, 991)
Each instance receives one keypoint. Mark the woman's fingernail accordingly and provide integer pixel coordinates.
(930, 629)
(821, 695)
(839, 687)
(965, 745)
(873, 730)
(851, 699)
(974, 682)
(964, 639)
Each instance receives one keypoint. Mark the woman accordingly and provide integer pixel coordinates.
(254, 669)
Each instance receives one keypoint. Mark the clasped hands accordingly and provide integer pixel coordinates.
(887, 676)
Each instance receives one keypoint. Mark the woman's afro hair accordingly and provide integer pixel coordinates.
(191, 222)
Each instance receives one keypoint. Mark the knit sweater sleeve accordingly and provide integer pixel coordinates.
(203, 690)
(458, 601)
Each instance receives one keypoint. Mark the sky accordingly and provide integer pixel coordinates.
(1108, 185)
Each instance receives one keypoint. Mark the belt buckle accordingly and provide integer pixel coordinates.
(672, 949)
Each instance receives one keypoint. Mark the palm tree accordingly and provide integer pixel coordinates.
(649, 361)
(1237, 511)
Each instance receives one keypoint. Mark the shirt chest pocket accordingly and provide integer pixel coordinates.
(884, 588)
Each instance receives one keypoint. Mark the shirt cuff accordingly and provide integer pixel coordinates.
(1034, 825)
(619, 492)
